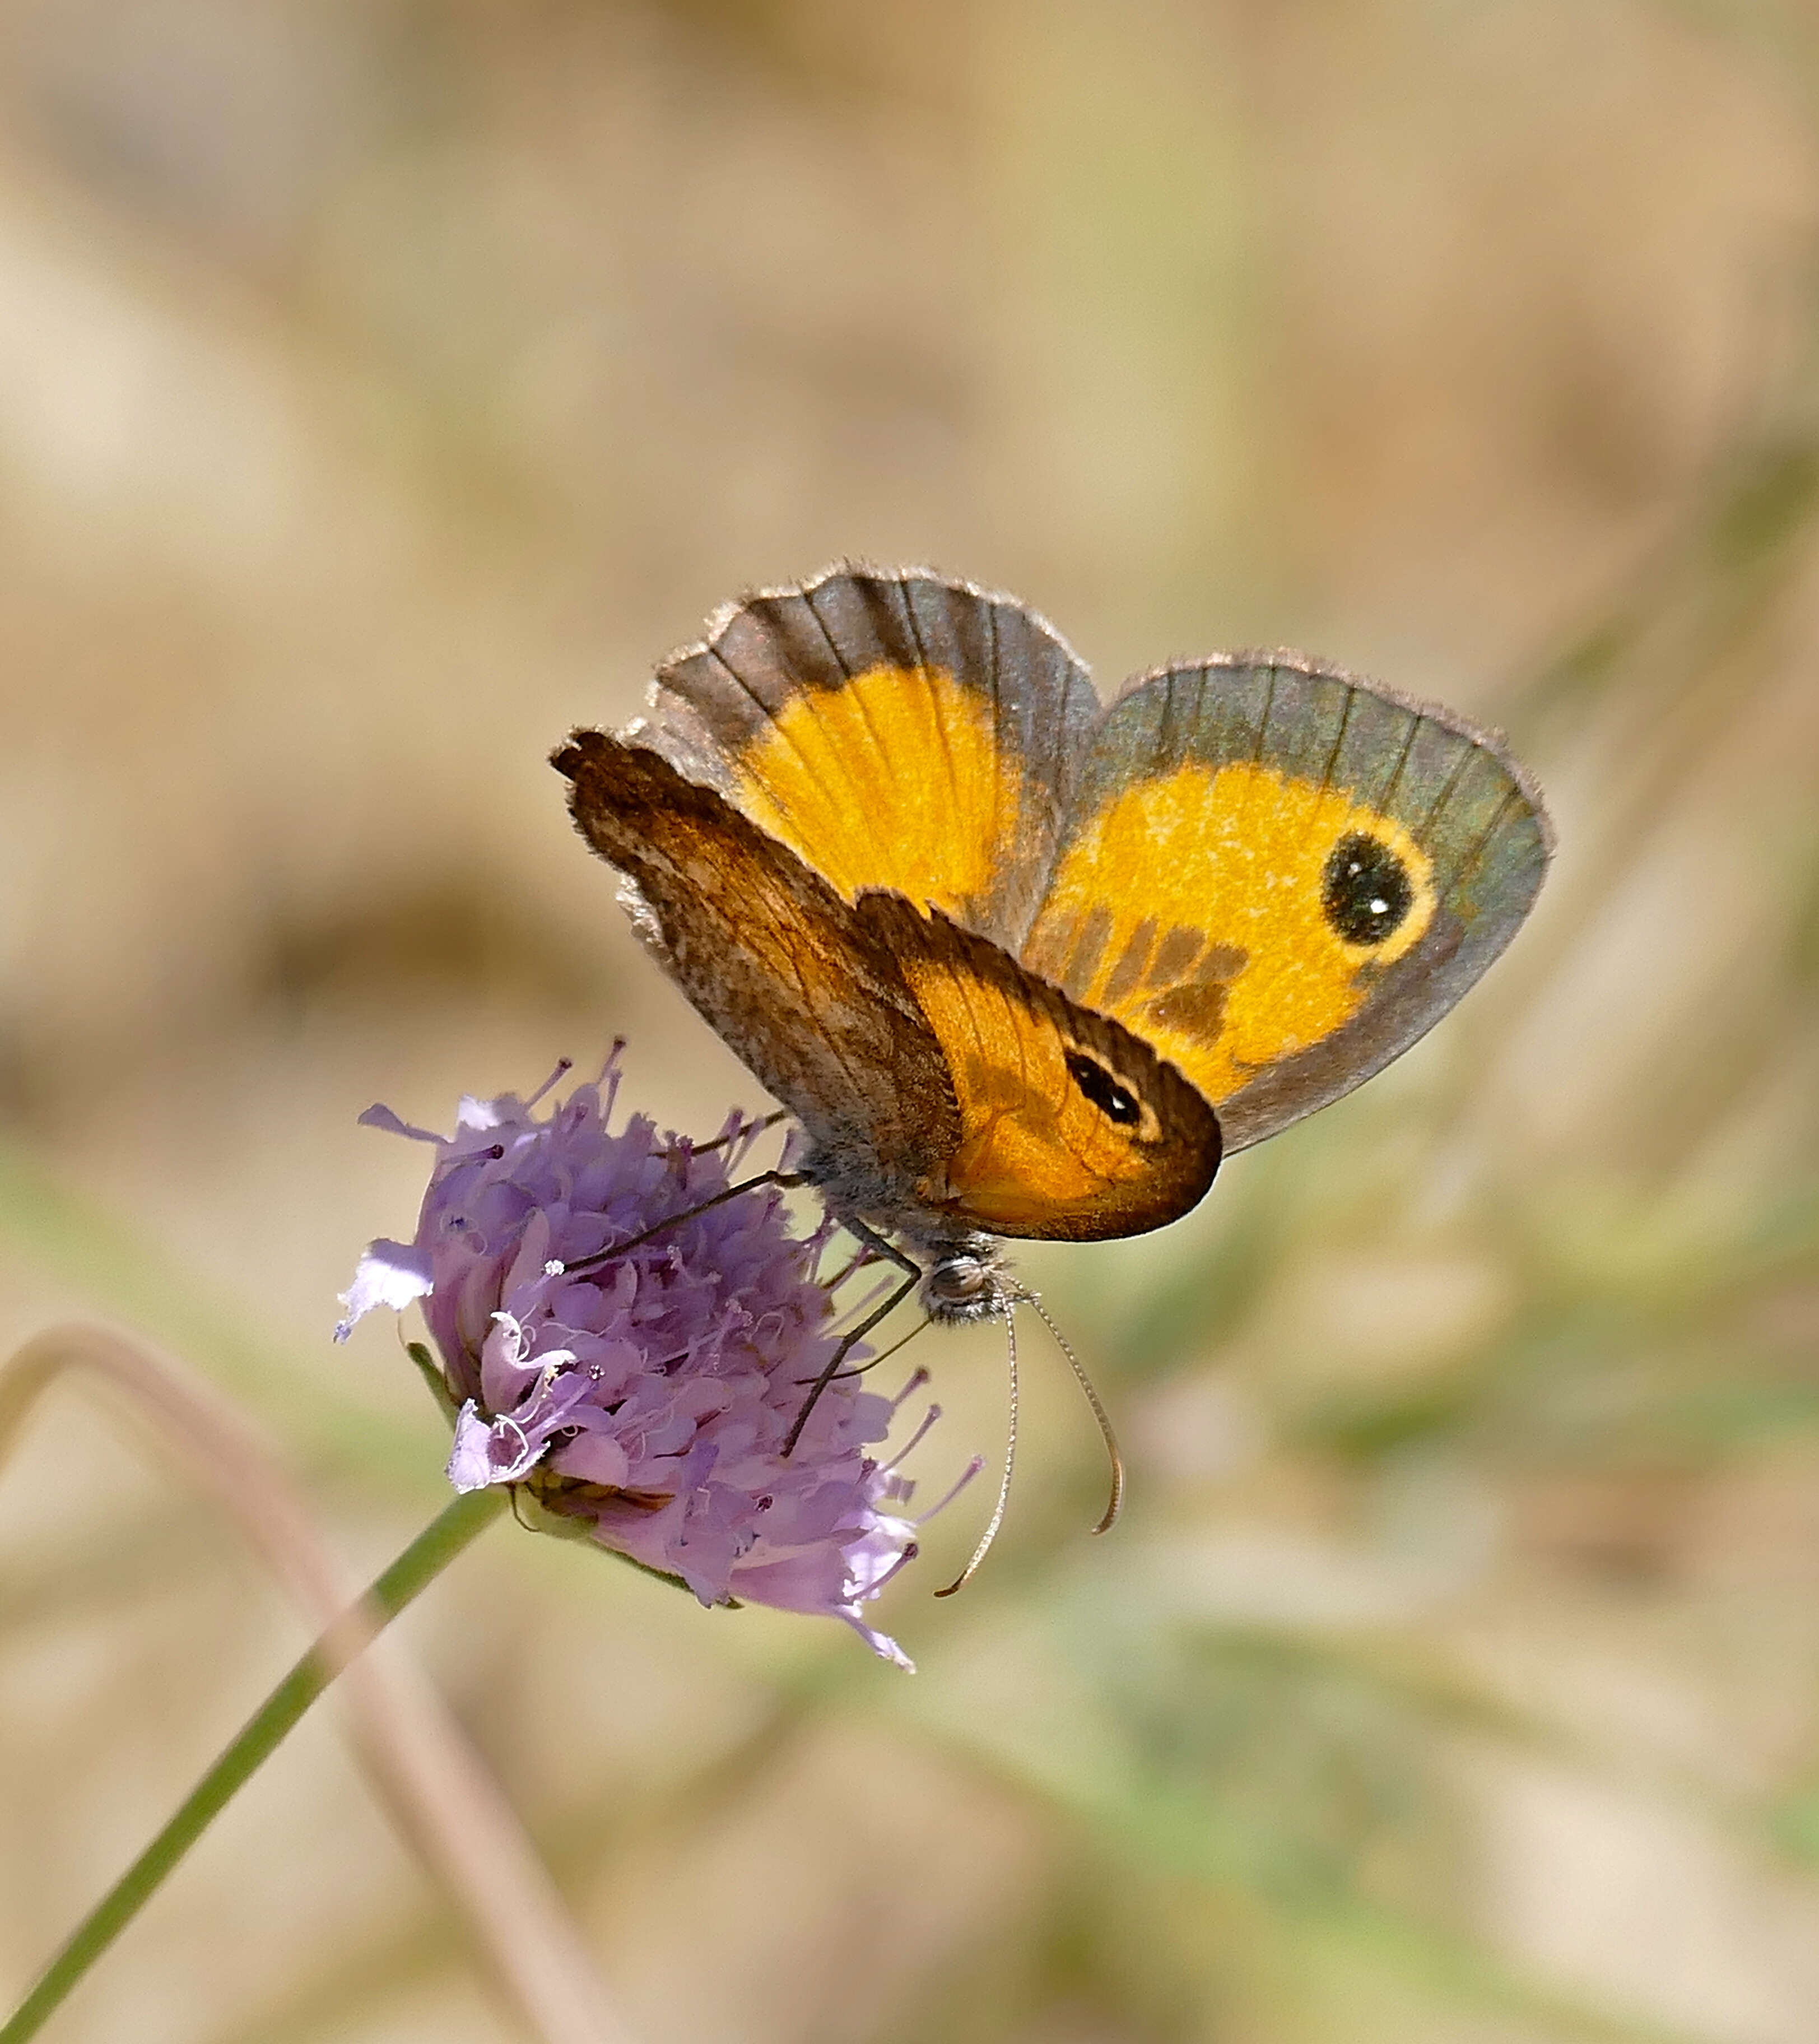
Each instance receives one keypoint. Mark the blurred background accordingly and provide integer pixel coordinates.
(383, 387)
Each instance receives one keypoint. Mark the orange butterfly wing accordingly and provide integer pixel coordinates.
(1280, 876)
(771, 956)
(1070, 1128)
(894, 730)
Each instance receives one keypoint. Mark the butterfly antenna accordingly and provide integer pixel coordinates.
(1116, 1503)
(997, 1518)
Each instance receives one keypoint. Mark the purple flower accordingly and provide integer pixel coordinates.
(646, 1396)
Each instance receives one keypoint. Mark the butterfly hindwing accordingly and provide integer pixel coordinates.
(896, 730)
(1280, 876)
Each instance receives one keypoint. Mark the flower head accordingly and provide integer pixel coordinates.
(645, 1393)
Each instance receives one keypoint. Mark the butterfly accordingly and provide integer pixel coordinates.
(1021, 964)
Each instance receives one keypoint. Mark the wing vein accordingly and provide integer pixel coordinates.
(1387, 798)
(1511, 795)
(1338, 742)
(1449, 788)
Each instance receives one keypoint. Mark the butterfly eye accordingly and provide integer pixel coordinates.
(1365, 889)
(1116, 1102)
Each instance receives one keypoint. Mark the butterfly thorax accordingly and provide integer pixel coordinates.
(968, 1281)
(965, 1275)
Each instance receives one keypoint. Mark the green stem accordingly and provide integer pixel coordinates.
(420, 1564)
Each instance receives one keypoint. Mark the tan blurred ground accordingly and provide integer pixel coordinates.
(382, 388)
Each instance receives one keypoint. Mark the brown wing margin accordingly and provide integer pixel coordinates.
(771, 957)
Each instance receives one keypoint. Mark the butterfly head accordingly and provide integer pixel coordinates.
(967, 1279)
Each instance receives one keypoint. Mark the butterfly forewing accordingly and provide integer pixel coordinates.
(775, 960)
(1279, 876)
(895, 730)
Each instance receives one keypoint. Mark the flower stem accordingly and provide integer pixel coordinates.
(424, 1559)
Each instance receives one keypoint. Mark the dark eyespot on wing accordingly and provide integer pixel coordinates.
(1072, 1128)
(1112, 1099)
(1365, 889)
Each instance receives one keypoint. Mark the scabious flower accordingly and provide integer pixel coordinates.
(645, 1396)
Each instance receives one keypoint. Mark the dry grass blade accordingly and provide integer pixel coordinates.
(436, 1789)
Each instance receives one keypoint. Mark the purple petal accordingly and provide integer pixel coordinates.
(499, 1451)
(594, 1458)
(390, 1273)
(379, 1116)
(470, 1464)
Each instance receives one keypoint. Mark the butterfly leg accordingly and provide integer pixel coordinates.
(912, 1276)
(786, 1179)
